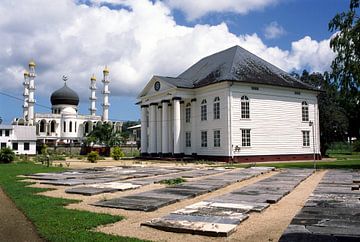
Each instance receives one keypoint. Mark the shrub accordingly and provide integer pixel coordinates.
(93, 156)
(6, 155)
(356, 146)
(117, 153)
(173, 181)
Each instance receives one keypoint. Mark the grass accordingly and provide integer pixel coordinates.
(52, 220)
(343, 161)
(174, 181)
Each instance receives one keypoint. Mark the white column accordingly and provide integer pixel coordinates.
(26, 95)
(159, 129)
(182, 123)
(152, 126)
(177, 126)
(106, 92)
(170, 130)
(31, 100)
(165, 127)
(92, 98)
(144, 145)
(193, 126)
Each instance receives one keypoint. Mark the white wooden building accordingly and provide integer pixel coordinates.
(21, 139)
(231, 105)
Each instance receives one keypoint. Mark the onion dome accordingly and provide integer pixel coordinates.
(32, 63)
(64, 96)
(106, 70)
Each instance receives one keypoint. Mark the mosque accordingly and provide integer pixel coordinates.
(64, 125)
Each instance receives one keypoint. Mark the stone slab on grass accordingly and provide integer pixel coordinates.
(89, 191)
(331, 212)
(143, 203)
(220, 215)
(217, 226)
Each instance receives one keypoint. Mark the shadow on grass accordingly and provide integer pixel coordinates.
(52, 221)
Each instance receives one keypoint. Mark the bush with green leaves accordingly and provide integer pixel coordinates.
(117, 153)
(356, 146)
(93, 156)
(6, 155)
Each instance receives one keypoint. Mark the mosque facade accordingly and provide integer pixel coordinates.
(64, 125)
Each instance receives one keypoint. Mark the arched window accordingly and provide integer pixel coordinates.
(70, 126)
(245, 107)
(75, 126)
(42, 126)
(305, 111)
(216, 108)
(203, 110)
(87, 128)
(52, 126)
(188, 113)
(64, 126)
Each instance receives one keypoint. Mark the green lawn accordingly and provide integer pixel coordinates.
(52, 220)
(342, 162)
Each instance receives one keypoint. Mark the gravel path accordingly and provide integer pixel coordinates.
(14, 226)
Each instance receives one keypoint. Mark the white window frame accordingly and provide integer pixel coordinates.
(203, 139)
(245, 107)
(187, 139)
(306, 138)
(203, 110)
(246, 137)
(216, 108)
(217, 138)
(304, 111)
(188, 113)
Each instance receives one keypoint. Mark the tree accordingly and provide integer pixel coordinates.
(6, 155)
(333, 120)
(346, 65)
(104, 135)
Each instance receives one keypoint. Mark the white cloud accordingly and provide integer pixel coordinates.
(136, 42)
(274, 30)
(196, 9)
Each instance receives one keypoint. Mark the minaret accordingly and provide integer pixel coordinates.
(106, 92)
(92, 96)
(31, 100)
(26, 96)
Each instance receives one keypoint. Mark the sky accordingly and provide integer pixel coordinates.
(137, 39)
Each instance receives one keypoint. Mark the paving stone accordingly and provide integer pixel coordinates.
(332, 212)
(201, 228)
(120, 186)
(136, 203)
(89, 191)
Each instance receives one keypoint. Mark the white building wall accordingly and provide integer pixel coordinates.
(209, 93)
(275, 120)
(19, 134)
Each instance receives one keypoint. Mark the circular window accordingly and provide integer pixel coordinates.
(157, 86)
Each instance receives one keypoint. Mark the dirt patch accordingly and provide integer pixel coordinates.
(265, 226)
(14, 226)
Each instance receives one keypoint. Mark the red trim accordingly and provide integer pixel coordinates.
(260, 158)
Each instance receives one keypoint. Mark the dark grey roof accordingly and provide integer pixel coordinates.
(178, 82)
(64, 95)
(235, 64)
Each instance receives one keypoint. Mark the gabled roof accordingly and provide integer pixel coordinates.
(234, 64)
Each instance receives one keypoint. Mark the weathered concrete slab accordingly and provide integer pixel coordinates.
(228, 210)
(332, 213)
(120, 186)
(89, 191)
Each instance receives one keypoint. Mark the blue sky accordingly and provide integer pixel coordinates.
(141, 38)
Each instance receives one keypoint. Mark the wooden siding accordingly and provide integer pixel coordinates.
(275, 121)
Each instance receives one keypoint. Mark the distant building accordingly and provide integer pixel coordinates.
(134, 137)
(21, 139)
(64, 125)
(231, 105)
